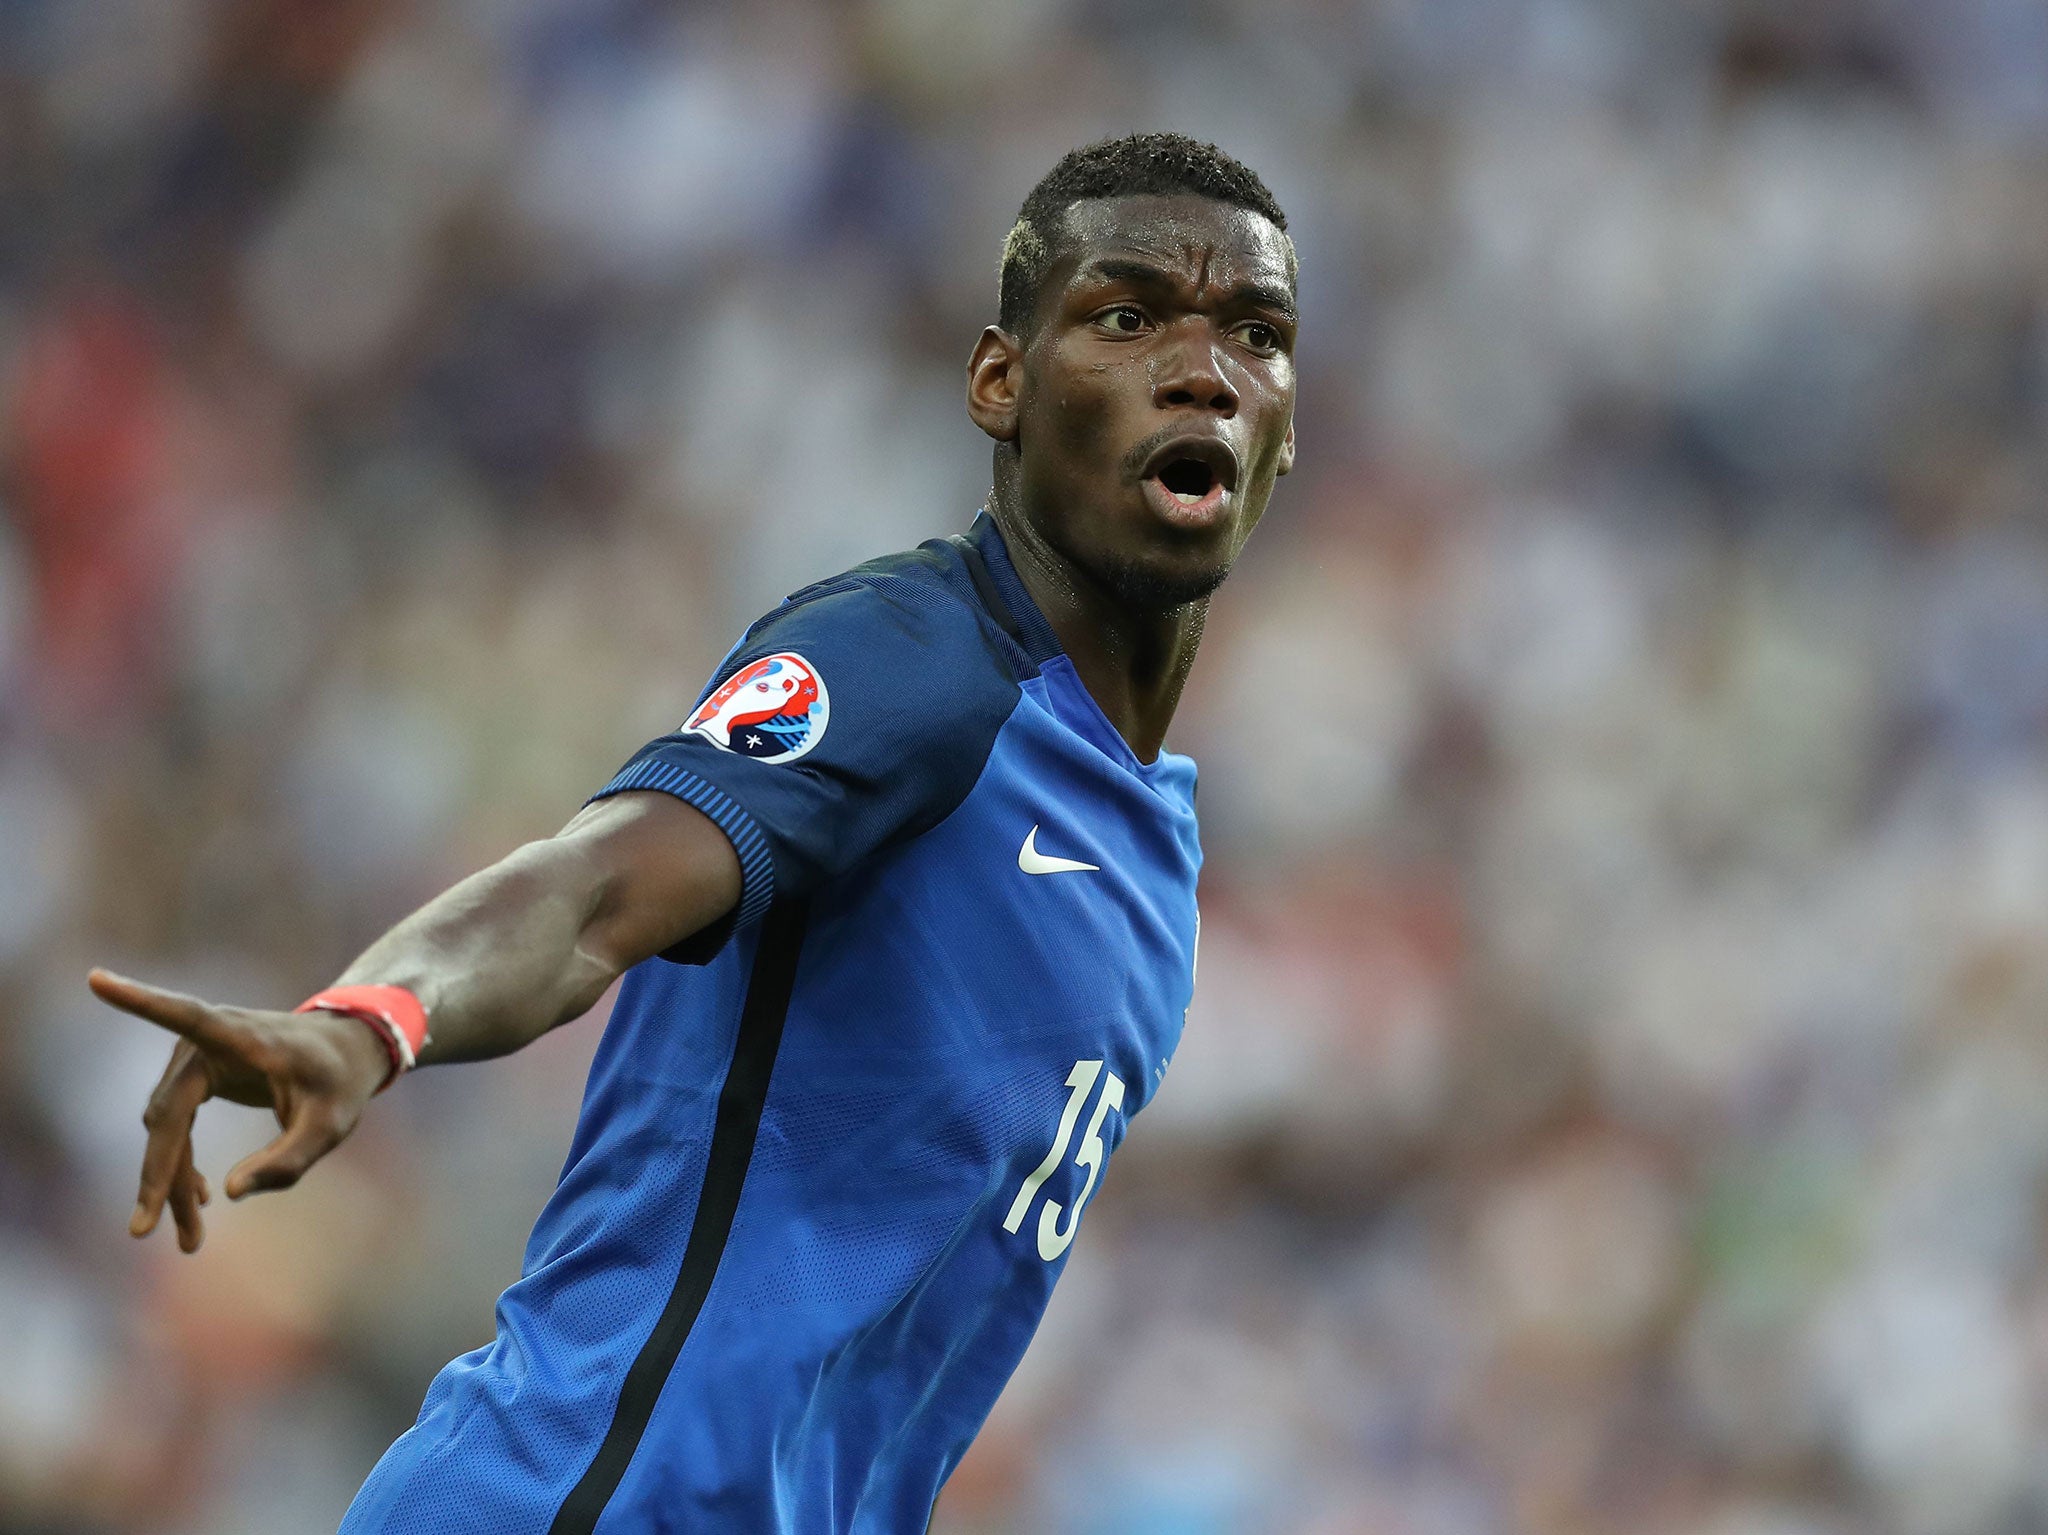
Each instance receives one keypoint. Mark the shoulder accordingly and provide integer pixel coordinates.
(897, 654)
(913, 616)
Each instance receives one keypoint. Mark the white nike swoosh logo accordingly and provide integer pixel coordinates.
(1031, 861)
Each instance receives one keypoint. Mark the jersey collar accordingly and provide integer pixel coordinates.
(1003, 593)
(1008, 601)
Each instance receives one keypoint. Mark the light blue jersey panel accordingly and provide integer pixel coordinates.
(825, 1179)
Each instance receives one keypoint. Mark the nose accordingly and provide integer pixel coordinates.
(1191, 376)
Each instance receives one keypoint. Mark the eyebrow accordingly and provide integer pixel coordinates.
(1144, 274)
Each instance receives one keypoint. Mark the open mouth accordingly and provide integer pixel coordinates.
(1189, 480)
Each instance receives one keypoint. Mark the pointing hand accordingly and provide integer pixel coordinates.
(314, 1071)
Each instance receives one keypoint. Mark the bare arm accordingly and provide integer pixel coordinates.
(535, 939)
(498, 960)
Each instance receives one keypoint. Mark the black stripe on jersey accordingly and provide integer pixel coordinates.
(740, 1102)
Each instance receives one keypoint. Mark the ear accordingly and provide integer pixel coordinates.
(1287, 450)
(994, 372)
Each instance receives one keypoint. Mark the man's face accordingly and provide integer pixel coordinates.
(1154, 400)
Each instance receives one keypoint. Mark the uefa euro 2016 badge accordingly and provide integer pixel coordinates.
(772, 710)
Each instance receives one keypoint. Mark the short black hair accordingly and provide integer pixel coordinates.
(1131, 166)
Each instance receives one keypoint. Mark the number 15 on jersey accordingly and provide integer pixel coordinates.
(1053, 1238)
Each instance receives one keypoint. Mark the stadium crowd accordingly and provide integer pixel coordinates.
(1616, 1095)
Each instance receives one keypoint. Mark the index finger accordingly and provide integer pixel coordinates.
(183, 1015)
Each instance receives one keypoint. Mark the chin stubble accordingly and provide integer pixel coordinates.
(1128, 583)
(1148, 591)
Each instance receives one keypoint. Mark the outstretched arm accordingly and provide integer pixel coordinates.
(498, 960)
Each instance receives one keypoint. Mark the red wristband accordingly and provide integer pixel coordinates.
(394, 1013)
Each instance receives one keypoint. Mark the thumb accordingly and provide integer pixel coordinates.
(316, 1128)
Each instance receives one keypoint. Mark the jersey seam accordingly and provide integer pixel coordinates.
(871, 581)
(907, 834)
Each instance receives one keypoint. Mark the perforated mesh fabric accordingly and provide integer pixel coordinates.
(854, 1260)
(876, 1254)
(523, 1431)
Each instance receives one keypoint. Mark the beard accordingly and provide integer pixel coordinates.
(1133, 584)
(1139, 589)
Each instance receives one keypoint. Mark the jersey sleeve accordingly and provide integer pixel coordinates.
(844, 721)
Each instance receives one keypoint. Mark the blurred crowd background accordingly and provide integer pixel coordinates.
(1616, 1098)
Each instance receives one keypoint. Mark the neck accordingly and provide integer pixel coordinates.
(1133, 663)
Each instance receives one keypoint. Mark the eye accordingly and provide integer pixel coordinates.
(1124, 319)
(1260, 336)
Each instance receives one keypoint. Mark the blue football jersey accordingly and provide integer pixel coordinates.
(834, 1150)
